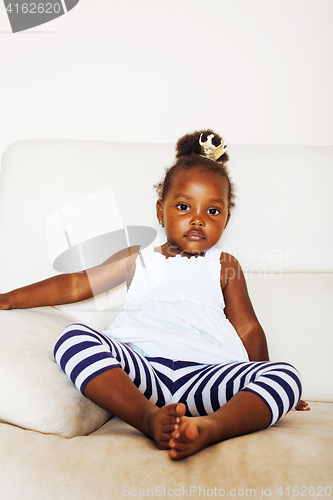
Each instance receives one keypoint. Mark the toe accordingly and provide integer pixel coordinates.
(177, 455)
(180, 409)
(169, 428)
(191, 431)
(177, 445)
(163, 444)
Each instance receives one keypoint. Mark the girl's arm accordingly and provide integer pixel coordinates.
(239, 309)
(74, 287)
(62, 289)
(241, 315)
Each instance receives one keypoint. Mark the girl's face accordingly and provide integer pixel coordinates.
(194, 211)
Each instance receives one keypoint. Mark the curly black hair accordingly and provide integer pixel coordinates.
(188, 155)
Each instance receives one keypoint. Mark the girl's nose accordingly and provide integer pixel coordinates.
(197, 221)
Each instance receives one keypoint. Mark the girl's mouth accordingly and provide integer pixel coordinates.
(195, 235)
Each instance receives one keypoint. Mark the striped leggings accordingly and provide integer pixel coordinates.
(84, 353)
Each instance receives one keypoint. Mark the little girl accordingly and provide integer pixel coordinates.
(186, 360)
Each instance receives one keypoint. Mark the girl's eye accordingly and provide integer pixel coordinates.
(213, 211)
(182, 206)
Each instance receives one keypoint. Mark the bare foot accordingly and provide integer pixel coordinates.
(302, 406)
(194, 434)
(164, 422)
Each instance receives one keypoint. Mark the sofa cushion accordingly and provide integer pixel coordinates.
(35, 393)
(293, 458)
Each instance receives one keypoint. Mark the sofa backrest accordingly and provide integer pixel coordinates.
(280, 230)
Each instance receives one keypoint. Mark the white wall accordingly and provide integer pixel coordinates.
(258, 71)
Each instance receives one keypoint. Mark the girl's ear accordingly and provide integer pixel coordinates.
(228, 218)
(159, 211)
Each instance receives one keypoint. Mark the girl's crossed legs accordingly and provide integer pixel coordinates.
(225, 400)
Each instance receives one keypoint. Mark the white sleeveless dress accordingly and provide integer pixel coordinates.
(174, 308)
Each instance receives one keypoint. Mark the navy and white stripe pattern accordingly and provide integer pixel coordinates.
(84, 353)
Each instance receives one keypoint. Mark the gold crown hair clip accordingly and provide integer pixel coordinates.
(209, 150)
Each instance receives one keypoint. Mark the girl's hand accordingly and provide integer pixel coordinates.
(302, 406)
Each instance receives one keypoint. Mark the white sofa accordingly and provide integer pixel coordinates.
(55, 444)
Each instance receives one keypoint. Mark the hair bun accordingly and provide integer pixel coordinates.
(188, 156)
(189, 143)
